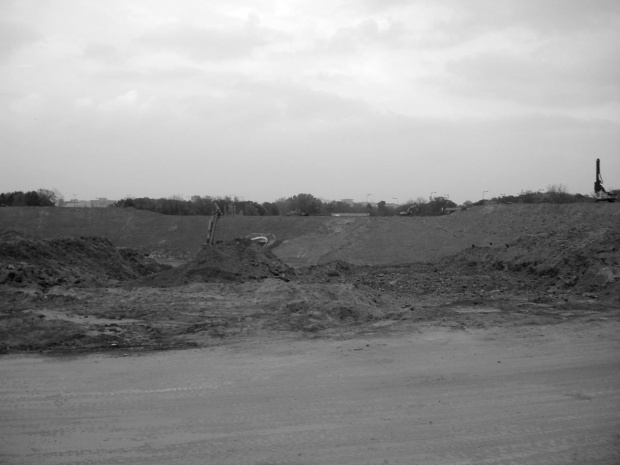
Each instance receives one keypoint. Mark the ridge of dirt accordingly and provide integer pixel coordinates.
(238, 260)
(27, 260)
(580, 259)
(305, 241)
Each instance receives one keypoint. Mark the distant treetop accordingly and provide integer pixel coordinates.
(40, 198)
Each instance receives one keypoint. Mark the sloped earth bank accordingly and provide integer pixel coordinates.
(68, 295)
(312, 240)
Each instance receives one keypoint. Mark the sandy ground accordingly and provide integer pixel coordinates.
(523, 395)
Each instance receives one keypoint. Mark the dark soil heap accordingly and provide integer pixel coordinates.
(84, 261)
(581, 259)
(238, 260)
(165, 251)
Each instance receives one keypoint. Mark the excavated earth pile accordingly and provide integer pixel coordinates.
(580, 260)
(26, 260)
(235, 261)
(68, 295)
(41, 279)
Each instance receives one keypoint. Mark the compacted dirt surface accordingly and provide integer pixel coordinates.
(486, 336)
(546, 394)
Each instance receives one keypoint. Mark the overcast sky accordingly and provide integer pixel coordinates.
(339, 98)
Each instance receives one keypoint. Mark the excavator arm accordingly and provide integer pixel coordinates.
(599, 191)
(598, 184)
(213, 224)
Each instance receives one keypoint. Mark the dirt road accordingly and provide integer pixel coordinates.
(523, 395)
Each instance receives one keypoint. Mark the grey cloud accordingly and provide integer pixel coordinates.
(585, 79)
(102, 52)
(384, 5)
(204, 43)
(366, 32)
(253, 104)
(545, 18)
(473, 18)
(544, 14)
(14, 36)
(307, 104)
(499, 152)
(147, 75)
(549, 15)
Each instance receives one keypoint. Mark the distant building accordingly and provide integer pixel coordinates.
(75, 203)
(102, 202)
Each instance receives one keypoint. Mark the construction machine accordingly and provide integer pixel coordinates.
(213, 224)
(265, 239)
(599, 191)
(412, 210)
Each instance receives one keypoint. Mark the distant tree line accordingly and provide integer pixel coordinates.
(434, 206)
(308, 205)
(198, 205)
(39, 198)
(555, 193)
(300, 204)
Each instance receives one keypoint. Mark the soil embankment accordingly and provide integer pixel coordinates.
(84, 261)
(304, 241)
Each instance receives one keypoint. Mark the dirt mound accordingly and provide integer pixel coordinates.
(318, 307)
(336, 270)
(165, 252)
(582, 259)
(238, 260)
(26, 261)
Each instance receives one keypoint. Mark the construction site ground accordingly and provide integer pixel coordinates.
(485, 336)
